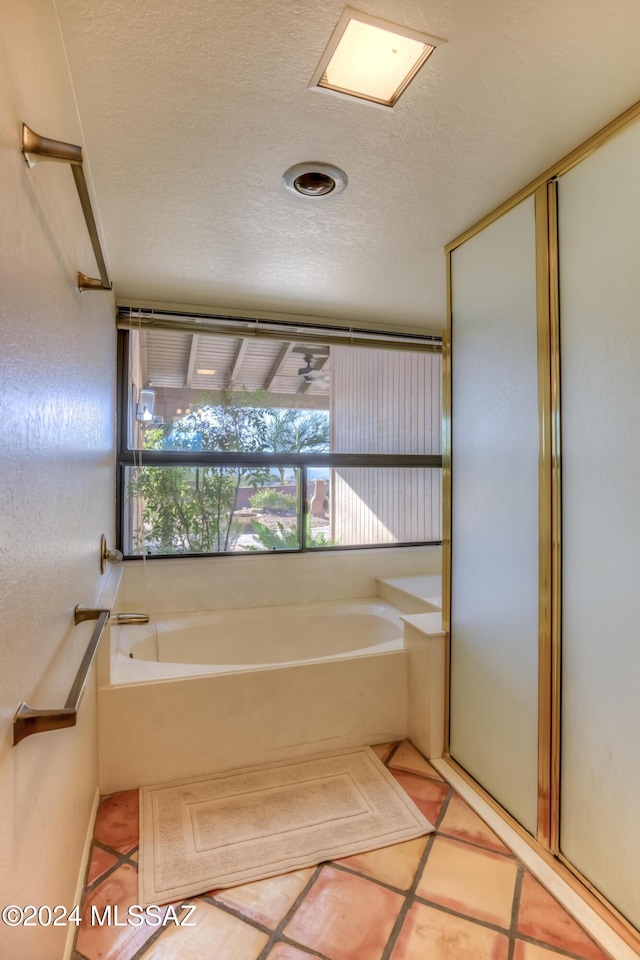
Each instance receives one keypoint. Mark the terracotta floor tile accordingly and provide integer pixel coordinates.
(282, 951)
(99, 864)
(542, 918)
(117, 821)
(478, 883)
(394, 865)
(462, 822)
(110, 942)
(382, 750)
(427, 795)
(266, 901)
(408, 759)
(345, 917)
(529, 951)
(432, 934)
(216, 936)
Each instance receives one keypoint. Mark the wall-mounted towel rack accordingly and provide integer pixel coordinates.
(36, 149)
(27, 720)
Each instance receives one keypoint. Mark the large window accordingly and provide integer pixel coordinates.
(249, 436)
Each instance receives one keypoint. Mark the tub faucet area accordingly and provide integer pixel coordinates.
(122, 619)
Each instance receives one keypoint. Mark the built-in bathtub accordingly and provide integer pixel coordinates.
(201, 692)
(221, 641)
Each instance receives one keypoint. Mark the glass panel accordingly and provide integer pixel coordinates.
(385, 401)
(494, 510)
(363, 506)
(598, 201)
(224, 393)
(180, 509)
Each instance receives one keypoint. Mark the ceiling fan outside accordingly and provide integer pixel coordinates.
(312, 374)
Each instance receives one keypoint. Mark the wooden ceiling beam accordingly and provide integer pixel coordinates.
(191, 362)
(239, 357)
(285, 351)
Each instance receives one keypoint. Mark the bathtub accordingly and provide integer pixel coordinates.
(221, 641)
(204, 692)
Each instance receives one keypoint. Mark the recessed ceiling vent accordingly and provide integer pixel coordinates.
(314, 179)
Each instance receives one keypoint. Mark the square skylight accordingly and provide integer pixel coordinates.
(372, 59)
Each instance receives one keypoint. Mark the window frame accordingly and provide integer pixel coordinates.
(127, 457)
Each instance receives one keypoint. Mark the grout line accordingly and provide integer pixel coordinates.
(416, 898)
(416, 773)
(420, 753)
(112, 850)
(417, 776)
(409, 894)
(300, 946)
(148, 943)
(103, 876)
(559, 950)
(234, 912)
(426, 759)
(406, 905)
(394, 749)
(392, 753)
(441, 815)
(88, 889)
(122, 859)
(277, 933)
(365, 876)
(154, 936)
(533, 940)
(515, 910)
(105, 847)
(452, 912)
(382, 883)
(508, 855)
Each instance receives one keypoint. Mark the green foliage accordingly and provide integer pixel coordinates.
(286, 538)
(180, 509)
(269, 499)
(185, 509)
(296, 430)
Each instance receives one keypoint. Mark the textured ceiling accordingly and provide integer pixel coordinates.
(191, 112)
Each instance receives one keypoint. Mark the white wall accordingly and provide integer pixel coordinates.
(214, 583)
(56, 477)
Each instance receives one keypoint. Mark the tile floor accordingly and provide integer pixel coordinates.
(458, 894)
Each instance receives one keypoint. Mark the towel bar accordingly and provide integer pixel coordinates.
(27, 720)
(35, 149)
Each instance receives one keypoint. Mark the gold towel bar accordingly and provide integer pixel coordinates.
(36, 148)
(27, 720)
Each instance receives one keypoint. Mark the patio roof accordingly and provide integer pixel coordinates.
(183, 365)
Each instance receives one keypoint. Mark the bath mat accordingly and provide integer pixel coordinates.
(232, 828)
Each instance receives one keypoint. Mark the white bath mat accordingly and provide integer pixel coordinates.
(232, 828)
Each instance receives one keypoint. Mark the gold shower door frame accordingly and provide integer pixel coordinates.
(547, 840)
